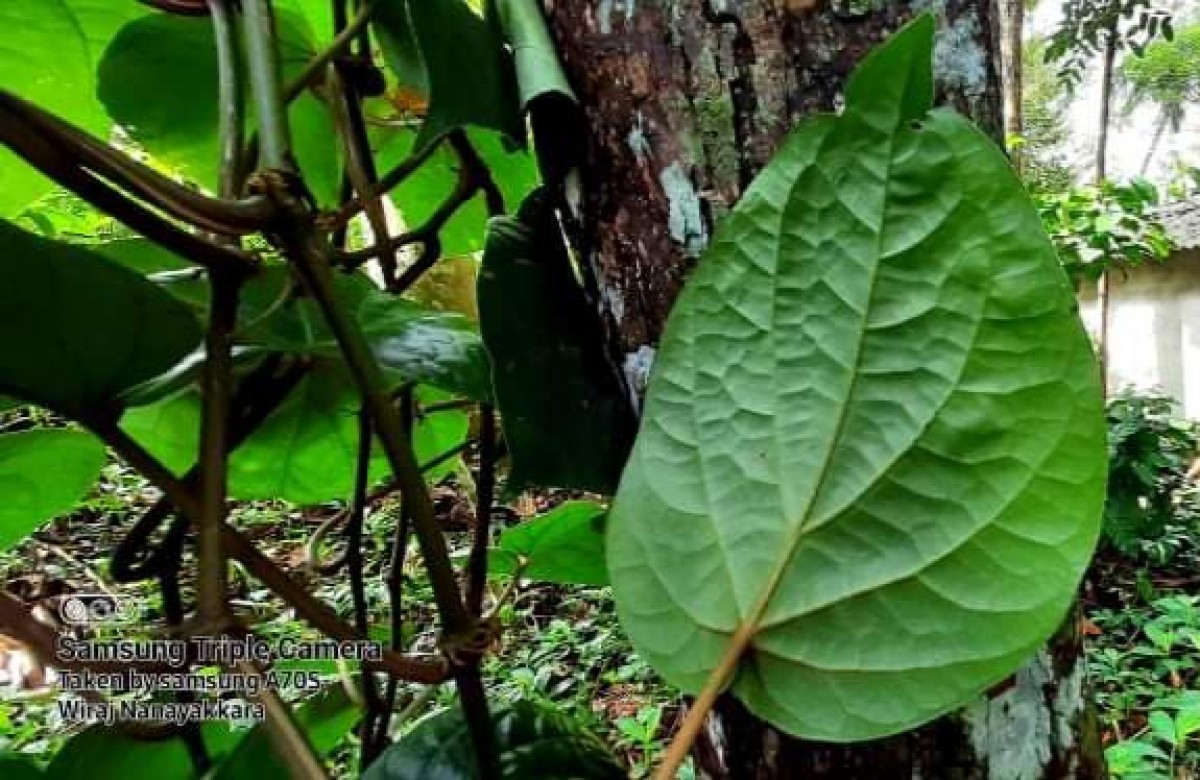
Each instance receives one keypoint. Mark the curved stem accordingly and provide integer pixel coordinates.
(340, 43)
(230, 122)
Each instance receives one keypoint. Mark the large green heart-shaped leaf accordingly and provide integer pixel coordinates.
(78, 329)
(565, 545)
(566, 420)
(43, 473)
(48, 56)
(871, 466)
(532, 740)
(107, 753)
(452, 55)
(174, 58)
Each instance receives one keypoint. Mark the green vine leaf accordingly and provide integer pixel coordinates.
(80, 329)
(48, 57)
(174, 58)
(456, 59)
(411, 342)
(871, 466)
(565, 545)
(304, 452)
(565, 417)
(43, 474)
(532, 740)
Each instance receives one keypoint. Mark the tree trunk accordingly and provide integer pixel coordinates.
(1012, 25)
(1163, 120)
(686, 100)
(1106, 84)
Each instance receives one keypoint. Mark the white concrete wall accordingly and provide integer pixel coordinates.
(1154, 329)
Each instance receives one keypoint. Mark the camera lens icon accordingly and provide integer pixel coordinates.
(94, 609)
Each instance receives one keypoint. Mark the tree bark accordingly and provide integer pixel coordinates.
(686, 100)
(1012, 25)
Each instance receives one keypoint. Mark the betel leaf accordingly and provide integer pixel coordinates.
(532, 740)
(174, 58)
(452, 55)
(43, 473)
(411, 342)
(78, 329)
(871, 464)
(48, 56)
(325, 719)
(566, 419)
(565, 545)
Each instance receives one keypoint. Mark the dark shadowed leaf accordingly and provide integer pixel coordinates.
(79, 329)
(565, 545)
(452, 55)
(325, 718)
(43, 473)
(105, 753)
(15, 768)
(532, 740)
(566, 420)
(873, 441)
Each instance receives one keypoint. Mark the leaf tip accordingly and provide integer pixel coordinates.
(896, 79)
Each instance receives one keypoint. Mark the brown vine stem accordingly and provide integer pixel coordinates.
(309, 257)
(423, 669)
(26, 123)
(339, 44)
(360, 168)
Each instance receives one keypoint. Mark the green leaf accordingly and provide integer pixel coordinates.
(325, 718)
(43, 474)
(174, 58)
(17, 768)
(422, 193)
(873, 441)
(304, 452)
(412, 343)
(48, 57)
(532, 740)
(105, 753)
(79, 329)
(566, 419)
(565, 545)
(1162, 726)
(453, 56)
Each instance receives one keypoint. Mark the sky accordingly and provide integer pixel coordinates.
(1129, 136)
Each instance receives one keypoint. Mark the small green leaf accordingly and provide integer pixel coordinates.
(1162, 726)
(452, 55)
(412, 343)
(871, 464)
(566, 419)
(304, 452)
(78, 329)
(325, 718)
(565, 545)
(43, 474)
(532, 740)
